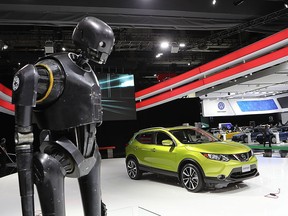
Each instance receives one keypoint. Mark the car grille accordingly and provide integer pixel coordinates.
(241, 157)
(238, 175)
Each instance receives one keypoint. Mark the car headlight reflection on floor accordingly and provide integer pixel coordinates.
(219, 157)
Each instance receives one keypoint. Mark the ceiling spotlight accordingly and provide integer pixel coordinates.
(214, 2)
(164, 45)
(182, 45)
(3, 46)
(159, 55)
(238, 2)
(285, 3)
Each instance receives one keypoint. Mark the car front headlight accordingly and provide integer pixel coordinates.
(218, 157)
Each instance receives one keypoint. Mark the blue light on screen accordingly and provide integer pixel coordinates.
(257, 105)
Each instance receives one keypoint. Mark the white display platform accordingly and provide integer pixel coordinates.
(159, 195)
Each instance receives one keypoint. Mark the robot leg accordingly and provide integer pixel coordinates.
(90, 188)
(49, 180)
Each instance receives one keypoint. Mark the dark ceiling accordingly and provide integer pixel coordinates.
(209, 31)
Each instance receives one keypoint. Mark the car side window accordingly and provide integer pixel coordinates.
(160, 136)
(181, 136)
(145, 138)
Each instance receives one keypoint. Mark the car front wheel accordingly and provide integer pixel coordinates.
(191, 178)
(133, 169)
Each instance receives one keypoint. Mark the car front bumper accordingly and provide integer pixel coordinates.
(236, 175)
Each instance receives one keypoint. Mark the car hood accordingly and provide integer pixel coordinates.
(218, 147)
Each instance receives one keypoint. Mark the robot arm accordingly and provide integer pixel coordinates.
(24, 97)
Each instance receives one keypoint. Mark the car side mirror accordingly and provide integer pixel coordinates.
(167, 142)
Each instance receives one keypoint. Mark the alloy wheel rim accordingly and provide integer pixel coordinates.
(190, 178)
(132, 169)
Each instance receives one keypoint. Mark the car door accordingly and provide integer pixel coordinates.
(145, 147)
(164, 156)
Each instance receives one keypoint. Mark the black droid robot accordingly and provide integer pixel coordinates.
(61, 95)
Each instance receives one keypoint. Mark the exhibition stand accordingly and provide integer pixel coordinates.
(283, 149)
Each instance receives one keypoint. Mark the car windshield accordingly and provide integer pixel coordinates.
(193, 136)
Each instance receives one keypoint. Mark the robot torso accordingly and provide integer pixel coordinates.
(73, 97)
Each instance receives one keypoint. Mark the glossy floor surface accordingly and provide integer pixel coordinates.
(159, 195)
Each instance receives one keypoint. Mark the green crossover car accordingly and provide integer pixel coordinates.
(193, 155)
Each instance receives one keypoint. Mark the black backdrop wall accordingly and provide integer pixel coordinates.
(118, 133)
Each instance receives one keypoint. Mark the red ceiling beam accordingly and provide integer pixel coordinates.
(6, 94)
(254, 50)
(6, 105)
(268, 60)
(5, 90)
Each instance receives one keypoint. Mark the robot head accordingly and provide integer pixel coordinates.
(95, 38)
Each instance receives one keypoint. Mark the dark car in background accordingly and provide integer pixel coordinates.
(243, 137)
(283, 135)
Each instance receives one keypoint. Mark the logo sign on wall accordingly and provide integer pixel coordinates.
(244, 106)
(217, 108)
(221, 105)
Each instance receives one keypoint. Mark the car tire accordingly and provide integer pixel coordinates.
(133, 170)
(191, 178)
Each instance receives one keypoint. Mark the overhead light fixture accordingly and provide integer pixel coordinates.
(49, 47)
(238, 2)
(214, 2)
(3, 46)
(174, 48)
(159, 55)
(285, 3)
(182, 45)
(164, 45)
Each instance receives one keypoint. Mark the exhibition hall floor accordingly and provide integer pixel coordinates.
(159, 195)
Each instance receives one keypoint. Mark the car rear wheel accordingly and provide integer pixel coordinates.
(191, 178)
(133, 169)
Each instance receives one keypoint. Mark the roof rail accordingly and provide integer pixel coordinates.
(152, 128)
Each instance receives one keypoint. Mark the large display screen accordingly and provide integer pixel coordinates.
(257, 105)
(118, 96)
